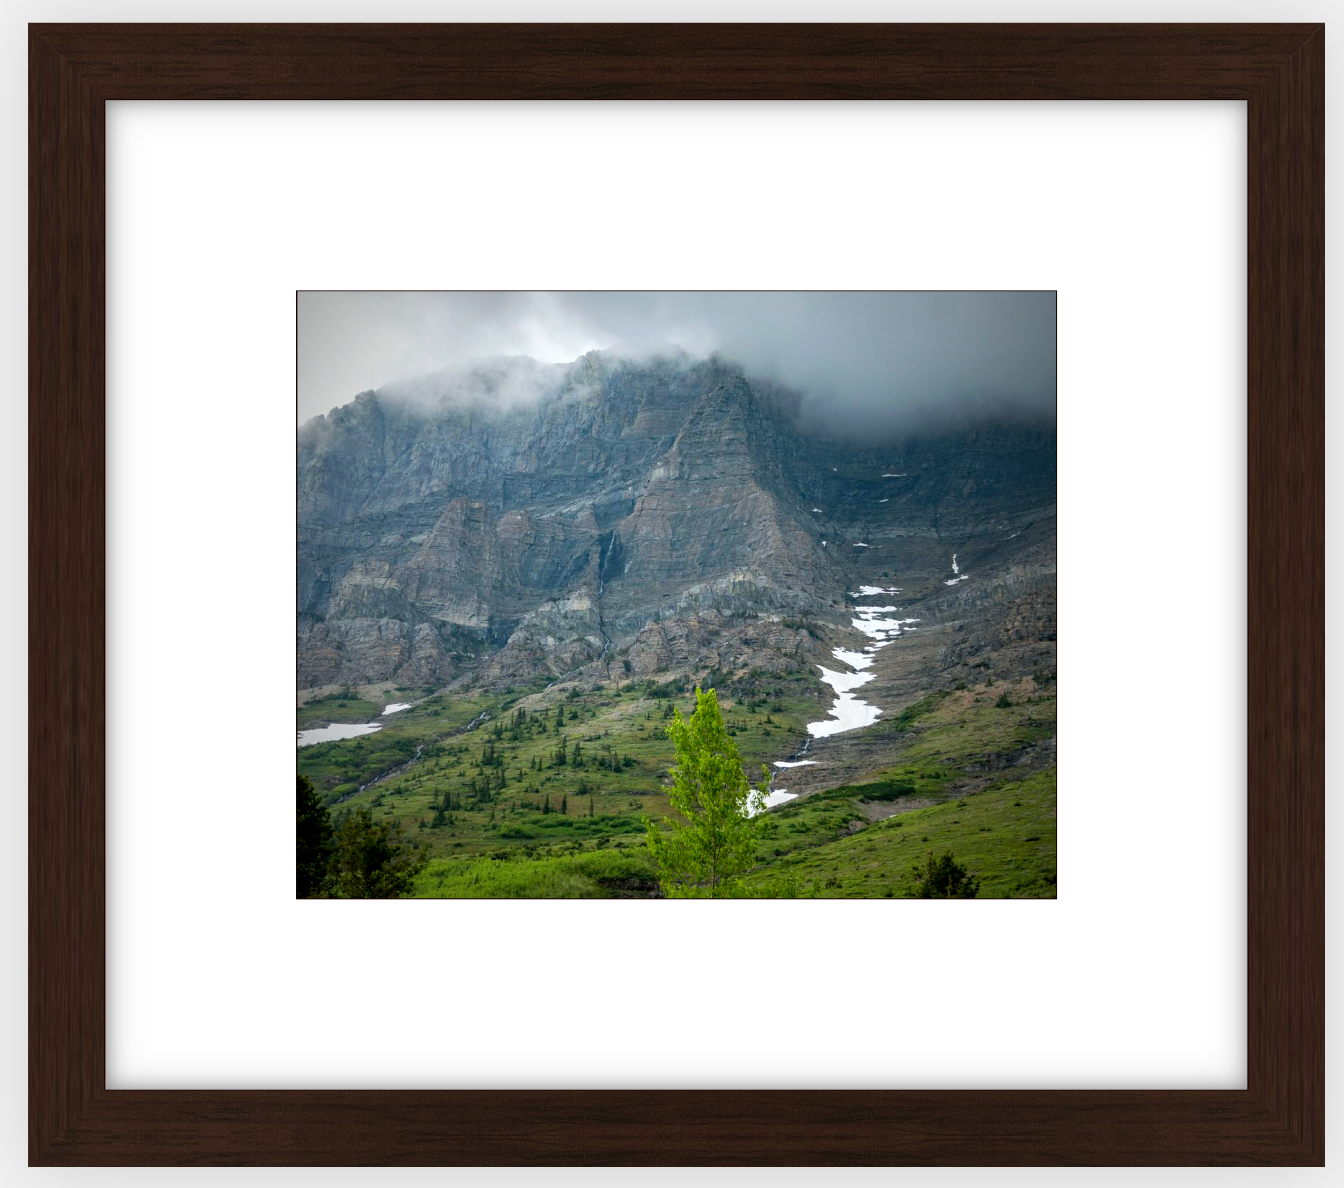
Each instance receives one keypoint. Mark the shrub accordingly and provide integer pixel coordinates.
(890, 790)
(943, 878)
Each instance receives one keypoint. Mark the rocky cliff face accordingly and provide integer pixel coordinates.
(622, 518)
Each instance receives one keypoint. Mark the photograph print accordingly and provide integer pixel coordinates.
(660, 595)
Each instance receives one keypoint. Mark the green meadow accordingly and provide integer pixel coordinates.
(483, 772)
(540, 794)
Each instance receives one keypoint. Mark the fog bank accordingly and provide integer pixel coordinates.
(866, 364)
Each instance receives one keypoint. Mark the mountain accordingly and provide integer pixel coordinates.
(612, 519)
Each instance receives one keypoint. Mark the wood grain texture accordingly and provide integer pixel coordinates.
(684, 1128)
(676, 61)
(1286, 537)
(1277, 69)
(66, 642)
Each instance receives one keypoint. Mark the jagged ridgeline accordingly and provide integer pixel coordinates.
(612, 519)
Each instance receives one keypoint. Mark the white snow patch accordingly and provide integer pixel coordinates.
(875, 628)
(853, 659)
(336, 730)
(858, 544)
(396, 707)
(843, 682)
(887, 500)
(903, 474)
(848, 712)
(773, 797)
(816, 509)
(871, 591)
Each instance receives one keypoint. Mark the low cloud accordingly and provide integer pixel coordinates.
(865, 364)
(504, 382)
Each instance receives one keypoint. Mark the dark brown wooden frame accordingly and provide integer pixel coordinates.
(1277, 69)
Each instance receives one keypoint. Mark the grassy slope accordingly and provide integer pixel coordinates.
(961, 744)
(577, 874)
(958, 744)
(630, 722)
(1005, 834)
(337, 768)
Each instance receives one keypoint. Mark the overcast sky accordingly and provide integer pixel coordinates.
(865, 362)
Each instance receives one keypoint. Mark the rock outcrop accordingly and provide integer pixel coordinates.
(623, 518)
